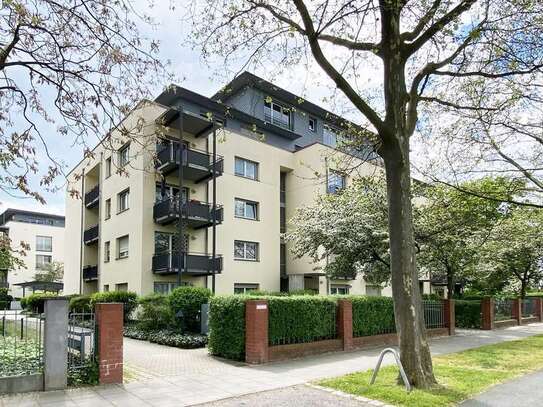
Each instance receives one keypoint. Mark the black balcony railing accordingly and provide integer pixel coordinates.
(197, 214)
(91, 235)
(197, 165)
(90, 273)
(197, 264)
(92, 197)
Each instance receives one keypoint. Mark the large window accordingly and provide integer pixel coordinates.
(44, 243)
(43, 261)
(122, 247)
(123, 200)
(330, 136)
(124, 155)
(167, 191)
(241, 288)
(107, 251)
(245, 250)
(246, 209)
(277, 114)
(246, 168)
(337, 289)
(336, 182)
(168, 242)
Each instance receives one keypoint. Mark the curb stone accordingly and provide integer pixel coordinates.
(349, 396)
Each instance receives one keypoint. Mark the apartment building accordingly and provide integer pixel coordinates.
(226, 173)
(43, 235)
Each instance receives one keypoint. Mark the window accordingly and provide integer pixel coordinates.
(373, 290)
(245, 250)
(43, 261)
(108, 167)
(336, 289)
(276, 114)
(313, 124)
(330, 136)
(108, 208)
(336, 182)
(124, 155)
(246, 168)
(121, 287)
(123, 200)
(107, 251)
(44, 243)
(246, 209)
(165, 287)
(244, 288)
(163, 192)
(122, 247)
(106, 287)
(168, 242)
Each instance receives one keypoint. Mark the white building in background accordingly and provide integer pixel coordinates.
(43, 233)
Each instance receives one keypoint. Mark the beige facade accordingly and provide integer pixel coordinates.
(304, 174)
(40, 239)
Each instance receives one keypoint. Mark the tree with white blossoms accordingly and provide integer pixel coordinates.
(426, 53)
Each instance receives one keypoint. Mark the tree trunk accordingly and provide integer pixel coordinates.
(414, 350)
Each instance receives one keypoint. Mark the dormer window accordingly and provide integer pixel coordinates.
(277, 114)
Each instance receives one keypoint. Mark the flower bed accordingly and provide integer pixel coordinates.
(166, 337)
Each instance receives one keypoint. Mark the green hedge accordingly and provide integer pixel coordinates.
(299, 319)
(467, 313)
(80, 303)
(36, 302)
(155, 312)
(227, 326)
(372, 315)
(189, 301)
(128, 298)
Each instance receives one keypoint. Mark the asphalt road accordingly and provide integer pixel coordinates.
(526, 391)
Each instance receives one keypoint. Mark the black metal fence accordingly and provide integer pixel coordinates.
(434, 313)
(81, 340)
(503, 310)
(21, 343)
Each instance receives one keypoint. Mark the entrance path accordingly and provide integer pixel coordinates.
(164, 376)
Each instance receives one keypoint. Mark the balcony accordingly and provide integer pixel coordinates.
(90, 273)
(92, 197)
(90, 235)
(197, 264)
(197, 214)
(197, 165)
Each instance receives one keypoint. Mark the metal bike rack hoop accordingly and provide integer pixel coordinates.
(398, 363)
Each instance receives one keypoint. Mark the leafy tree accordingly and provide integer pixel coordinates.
(514, 253)
(79, 65)
(436, 52)
(54, 272)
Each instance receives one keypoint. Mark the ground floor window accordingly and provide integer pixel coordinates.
(373, 290)
(337, 289)
(121, 287)
(244, 288)
(166, 287)
(106, 287)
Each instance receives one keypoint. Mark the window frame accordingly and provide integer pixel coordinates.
(107, 251)
(245, 203)
(335, 175)
(42, 266)
(244, 175)
(327, 129)
(245, 258)
(312, 129)
(283, 109)
(121, 152)
(50, 250)
(107, 209)
(119, 253)
(108, 167)
(125, 192)
(338, 287)
(245, 287)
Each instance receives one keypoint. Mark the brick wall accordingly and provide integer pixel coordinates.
(256, 331)
(109, 325)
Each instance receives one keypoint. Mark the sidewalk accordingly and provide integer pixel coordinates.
(177, 377)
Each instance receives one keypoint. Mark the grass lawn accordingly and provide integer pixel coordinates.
(460, 375)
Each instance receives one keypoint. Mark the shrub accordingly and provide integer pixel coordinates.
(303, 292)
(23, 302)
(5, 299)
(262, 293)
(227, 326)
(299, 319)
(431, 297)
(189, 300)
(135, 332)
(372, 315)
(88, 375)
(185, 341)
(467, 314)
(36, 302)
(128, 298)
(155, 312)
(80, 303)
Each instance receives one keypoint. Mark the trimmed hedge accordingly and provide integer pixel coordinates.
(80, 303)
(227, 326)
(467, 313)
(36, 302)
(189, 301)
(155, 313)
(128, 298)
(300, 319)
(372, 315)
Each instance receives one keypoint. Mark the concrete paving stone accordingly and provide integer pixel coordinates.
(59, 403)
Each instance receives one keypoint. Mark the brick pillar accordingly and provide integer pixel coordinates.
(345, 323)
(256, 331)
(539, 309)
(109, 325)
(487, 313)
(517, 310)
(449, 317)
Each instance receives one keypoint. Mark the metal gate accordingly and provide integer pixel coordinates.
(81, 340)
